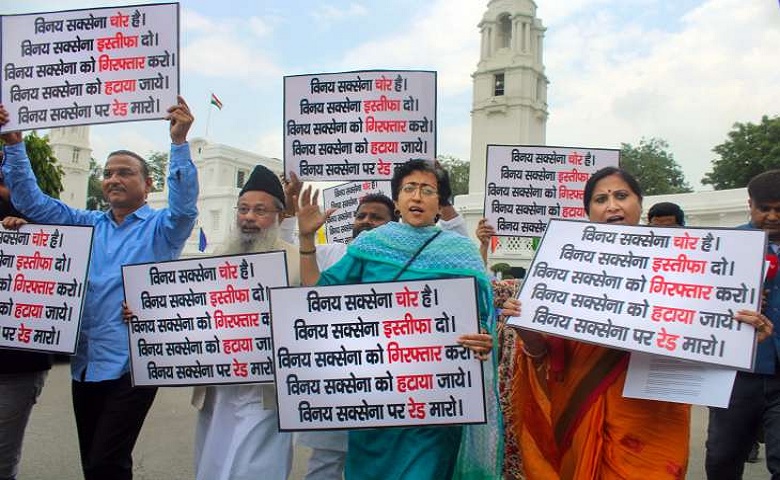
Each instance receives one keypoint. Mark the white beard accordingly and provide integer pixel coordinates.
(262, 241)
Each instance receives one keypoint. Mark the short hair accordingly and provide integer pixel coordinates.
(765, 187)
(144, 165)
(420, 165)
(380, 198)
(666, 209)
(590, 185)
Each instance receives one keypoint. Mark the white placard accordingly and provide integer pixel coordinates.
(653, 377)
(43, 276)
(358, 125)
(338, 228)
(93, 66)
(525, 185)
(376, 355)
(203, 321)
(665, 291)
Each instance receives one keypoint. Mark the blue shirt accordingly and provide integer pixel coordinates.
(146, 235)
(768, 350)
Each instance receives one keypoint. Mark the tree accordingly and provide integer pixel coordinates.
(459, 173)
(750, 149)
(44, 164)
(654, 167)
(157, 163)
(95, 199)
(504, 269)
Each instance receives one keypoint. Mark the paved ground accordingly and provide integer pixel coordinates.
(164, 450)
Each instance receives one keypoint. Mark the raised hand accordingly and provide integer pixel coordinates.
(310, 217)
(181, 120)
(10, 138)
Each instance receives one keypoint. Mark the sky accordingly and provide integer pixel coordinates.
(619, 70)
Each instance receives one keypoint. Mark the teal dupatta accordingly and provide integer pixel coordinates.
(390, 247)
(379, 255)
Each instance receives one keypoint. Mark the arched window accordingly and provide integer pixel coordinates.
(504, 31)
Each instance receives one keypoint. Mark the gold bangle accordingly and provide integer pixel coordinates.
(313, 251)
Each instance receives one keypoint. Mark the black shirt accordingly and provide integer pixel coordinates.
(18, 361)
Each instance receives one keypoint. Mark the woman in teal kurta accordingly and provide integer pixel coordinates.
(383, 254)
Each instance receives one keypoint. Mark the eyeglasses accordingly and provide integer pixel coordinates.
(425, 190)
(258, 211)
(120, 172)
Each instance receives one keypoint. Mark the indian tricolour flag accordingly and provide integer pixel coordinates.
(215, 101)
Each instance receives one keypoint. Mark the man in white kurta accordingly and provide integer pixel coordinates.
(237, 435)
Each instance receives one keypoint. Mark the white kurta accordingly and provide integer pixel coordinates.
(237, 435)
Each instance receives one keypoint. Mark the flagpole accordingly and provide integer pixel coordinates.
(208, 118)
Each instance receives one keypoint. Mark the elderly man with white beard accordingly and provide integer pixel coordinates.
(237, 435)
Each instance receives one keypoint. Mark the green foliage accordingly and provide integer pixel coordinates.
(504, 269)
(47, 171)
(750, 149)
(95, 200)
(459, 173)
(500, 267)
(654, 167)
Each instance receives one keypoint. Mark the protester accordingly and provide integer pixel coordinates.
(572, 417)
(237, 434)
(666, 214)
(755, 398)
(413, 250)
(22, 374)
(109, 410)
(373, 210)
(329, 448)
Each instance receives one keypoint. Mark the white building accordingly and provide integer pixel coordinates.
(222, 172)
(722, 208)
(70, 146)
(509, 104)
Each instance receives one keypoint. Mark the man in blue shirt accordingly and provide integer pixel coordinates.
(755, 399)
(109, 410)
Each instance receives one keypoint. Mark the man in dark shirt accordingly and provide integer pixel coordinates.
(21, 380)
(755, 398)
(666, 214)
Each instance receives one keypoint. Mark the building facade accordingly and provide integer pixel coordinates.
(222, 172)
(509, 104)
(71, 148)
